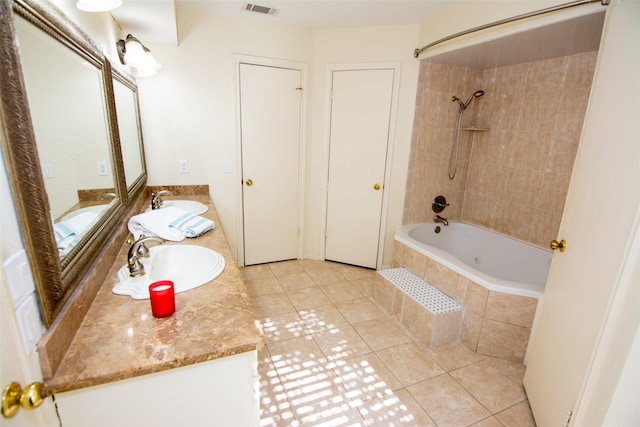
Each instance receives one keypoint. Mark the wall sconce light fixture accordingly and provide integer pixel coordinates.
(138, 56)
(98, 5)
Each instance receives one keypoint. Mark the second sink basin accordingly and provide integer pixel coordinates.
(186, 205)
(187, 266)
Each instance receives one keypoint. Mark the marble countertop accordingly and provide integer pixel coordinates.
(120, 339)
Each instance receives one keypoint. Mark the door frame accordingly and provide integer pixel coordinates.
(276, 63)
(329, 69)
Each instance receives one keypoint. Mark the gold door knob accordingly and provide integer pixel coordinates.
(562, 245)
(15, 396)
(376, 186)
(249, 182)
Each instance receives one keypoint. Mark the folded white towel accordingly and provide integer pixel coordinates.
(66, 237)
(196, 226)
(157, 222)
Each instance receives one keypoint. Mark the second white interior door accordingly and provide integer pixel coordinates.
(360, 122)
(270, 105)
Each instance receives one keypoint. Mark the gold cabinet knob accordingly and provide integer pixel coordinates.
(14, 396)
(562, 245)
(249, 182)
(376, 186)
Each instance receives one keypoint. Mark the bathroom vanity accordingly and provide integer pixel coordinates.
(197, 367)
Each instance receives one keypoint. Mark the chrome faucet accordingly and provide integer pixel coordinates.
(156, 200)
(438, 218)
(138, 250)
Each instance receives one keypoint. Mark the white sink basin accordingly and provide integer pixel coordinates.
(187, 266)
(81, 219)
(186, 205)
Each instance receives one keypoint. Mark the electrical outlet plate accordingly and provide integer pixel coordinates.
(102, 169)
(184, 166)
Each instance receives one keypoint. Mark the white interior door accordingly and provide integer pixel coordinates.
(584, 279)
(361, 104)
(270, 105)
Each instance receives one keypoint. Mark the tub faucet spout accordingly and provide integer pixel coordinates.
(438, 218)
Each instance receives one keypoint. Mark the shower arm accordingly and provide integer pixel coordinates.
(418, 51)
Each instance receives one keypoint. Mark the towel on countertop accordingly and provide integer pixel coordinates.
(195, 226)
(156, 222)
(169, 223)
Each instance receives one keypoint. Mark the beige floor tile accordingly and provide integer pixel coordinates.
(365, 377)
(327, 413)
(256, 272)
(410, 363)
(268, 305)
(283, 326)
(351, 272)
(396, 409)
(308, 297)
(341, 343)
(453, 356)
(359, 310)
(263, 286)
(325, 276)
(488, 422)
(283, 268)
(296, 359)
(513, 370)
(365, 286)
(489, 386)
(517, 416)
(341, 291)
(323, 318)
(313, 264)
(381, 333)
(292, 282)
(447, 403)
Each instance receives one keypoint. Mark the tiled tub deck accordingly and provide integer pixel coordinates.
(493, 323)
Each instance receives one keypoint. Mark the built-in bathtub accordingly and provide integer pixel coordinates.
(492, 260)
(499, 280)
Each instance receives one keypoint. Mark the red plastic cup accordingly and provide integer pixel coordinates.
(162, 297)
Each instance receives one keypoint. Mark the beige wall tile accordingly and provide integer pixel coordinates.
(441, 277)
(535, 112)
(512, 309)
(414, 261)
(417, 320)
(476, 298)
(446, 328)
(502, 340)
(470, 332)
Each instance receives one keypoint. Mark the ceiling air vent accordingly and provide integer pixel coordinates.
(248, 7)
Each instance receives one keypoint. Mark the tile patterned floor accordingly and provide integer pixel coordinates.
(333, 357)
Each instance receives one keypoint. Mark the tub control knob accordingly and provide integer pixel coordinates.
(562, 245)
(438, 204)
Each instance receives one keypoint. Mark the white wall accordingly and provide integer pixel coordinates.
(349, 46)
(189, 109)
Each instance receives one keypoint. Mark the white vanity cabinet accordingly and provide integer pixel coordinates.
(221, 393)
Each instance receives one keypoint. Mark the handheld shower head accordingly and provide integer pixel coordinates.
(464, 105)
(476, 94)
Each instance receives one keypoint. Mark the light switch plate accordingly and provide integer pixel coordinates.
(29, 322)
(227, 166)
(19, 277)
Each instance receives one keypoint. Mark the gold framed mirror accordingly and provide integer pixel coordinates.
(61, 145)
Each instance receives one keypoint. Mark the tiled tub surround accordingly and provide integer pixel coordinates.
(432, 316)
(494, 323)
(514, 178)
(119, 338)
